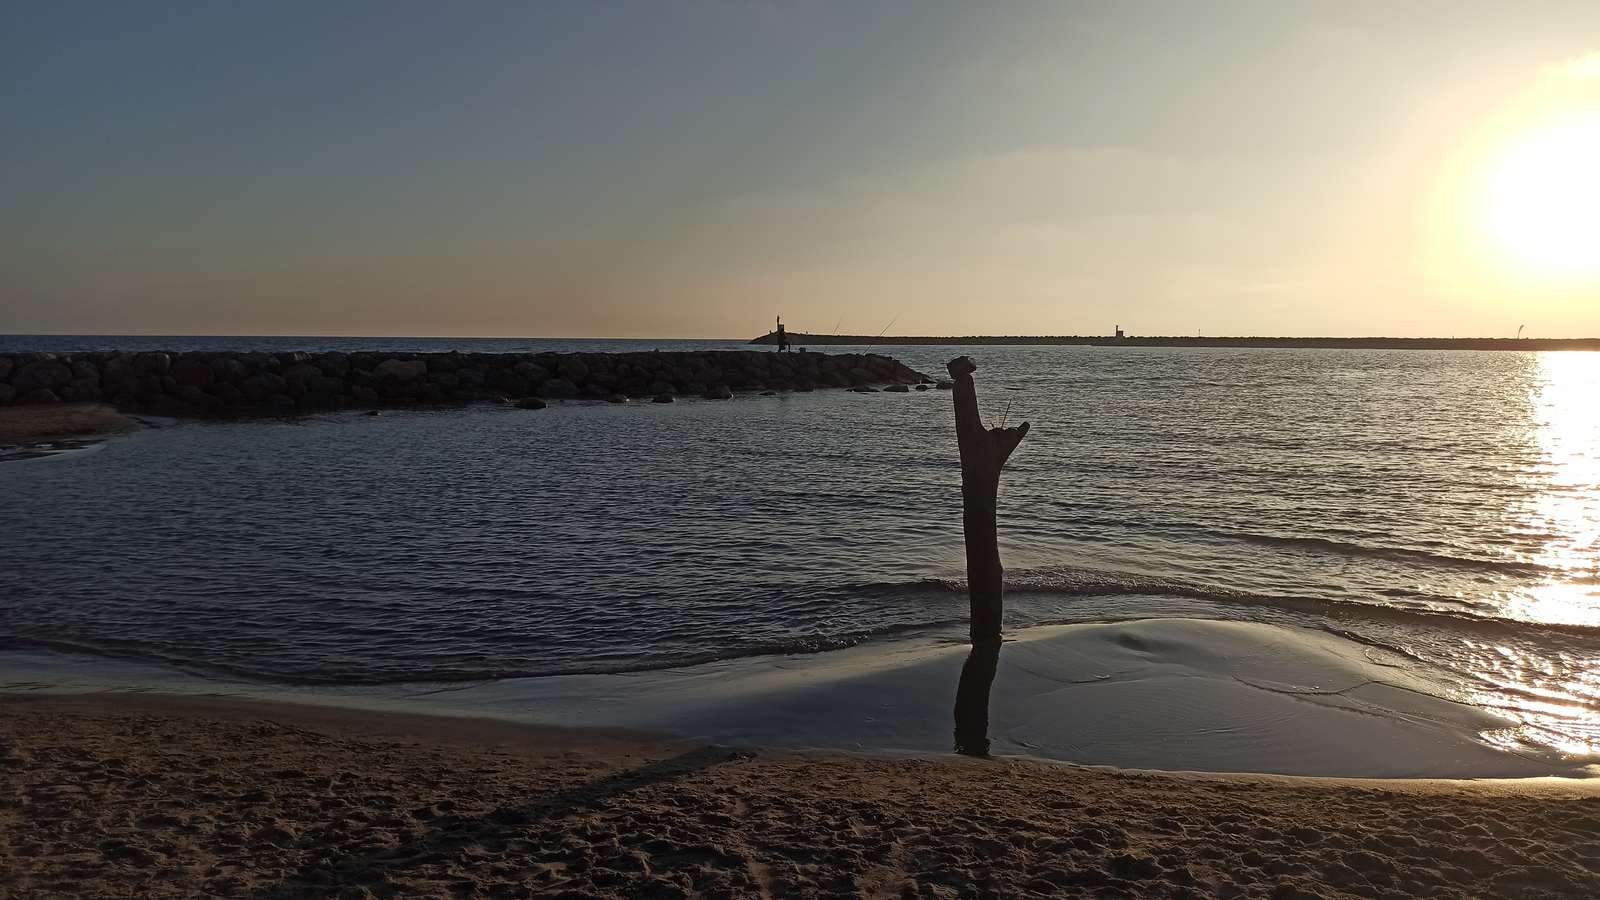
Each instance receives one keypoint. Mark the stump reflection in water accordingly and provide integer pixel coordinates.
(972, 698)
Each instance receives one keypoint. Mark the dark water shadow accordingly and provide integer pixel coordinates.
(448, 835)
(972, 698)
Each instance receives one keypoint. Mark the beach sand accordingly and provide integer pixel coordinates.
(19, 424)
(146, 795)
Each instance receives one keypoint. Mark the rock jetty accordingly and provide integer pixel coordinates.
(225, 384)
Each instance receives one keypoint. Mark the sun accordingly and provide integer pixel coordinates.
(1540, 200)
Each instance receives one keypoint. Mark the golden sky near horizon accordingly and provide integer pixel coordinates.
(1226, 168)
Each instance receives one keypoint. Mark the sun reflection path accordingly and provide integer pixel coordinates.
(1566, 492)
(1556, 705)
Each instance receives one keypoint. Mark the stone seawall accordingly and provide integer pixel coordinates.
(202, 384)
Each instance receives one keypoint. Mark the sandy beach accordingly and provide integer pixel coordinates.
(19, 424)
(131, 795)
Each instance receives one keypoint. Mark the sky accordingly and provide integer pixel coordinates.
(694, 169)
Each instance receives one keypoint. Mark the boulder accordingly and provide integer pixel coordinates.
(5, 368)
(192, 396)
(262, 385)
(152, 363)
(167, 405)
(864, 390)
(445, 362)
(402, 390)
(661, 398)
(558, 388)
(190, 372)
(573, 369)
(922, 387)
(531, 371)
(530, 403)
(228, 393)
(83, 370)
(365, 395)
(596, 391)
(318, 400)
(323, 384)
(898, 389)
(297, 378)
(616, 398)
(47, 375)
(84, 390)
(946, 385)
(7, 393)
(659, 387)
(39, 396)
(720, 392)
(333, 364)
(402, 369)
(227, 368)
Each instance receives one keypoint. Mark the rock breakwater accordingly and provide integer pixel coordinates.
(224, 384)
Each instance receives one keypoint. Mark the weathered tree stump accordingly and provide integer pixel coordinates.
(984, 452)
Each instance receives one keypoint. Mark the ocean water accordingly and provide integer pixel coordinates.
(1444, 504)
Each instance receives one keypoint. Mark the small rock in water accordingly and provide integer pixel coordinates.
(616, 398)
(720, 392)
(769, 393)
(922, 387)
(662, 398)
(898, 389)
(530, 403)
(374, 412)
(864, 390)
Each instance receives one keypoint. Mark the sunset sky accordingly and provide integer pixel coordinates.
(692, 169)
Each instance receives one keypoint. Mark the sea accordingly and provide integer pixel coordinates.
(1443, 505)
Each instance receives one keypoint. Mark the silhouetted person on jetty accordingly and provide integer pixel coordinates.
(984, 452)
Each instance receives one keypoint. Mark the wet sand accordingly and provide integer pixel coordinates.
(39, 423)
(144, 795)
(33, 424)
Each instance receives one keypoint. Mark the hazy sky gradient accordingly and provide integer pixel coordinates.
(695, 168)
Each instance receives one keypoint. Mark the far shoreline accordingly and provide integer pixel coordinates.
(1284, 343)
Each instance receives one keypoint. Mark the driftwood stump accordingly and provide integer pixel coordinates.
(984, 452)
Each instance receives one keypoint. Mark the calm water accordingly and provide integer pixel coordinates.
(1444, 504)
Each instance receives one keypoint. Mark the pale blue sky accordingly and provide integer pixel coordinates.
(694, 168)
